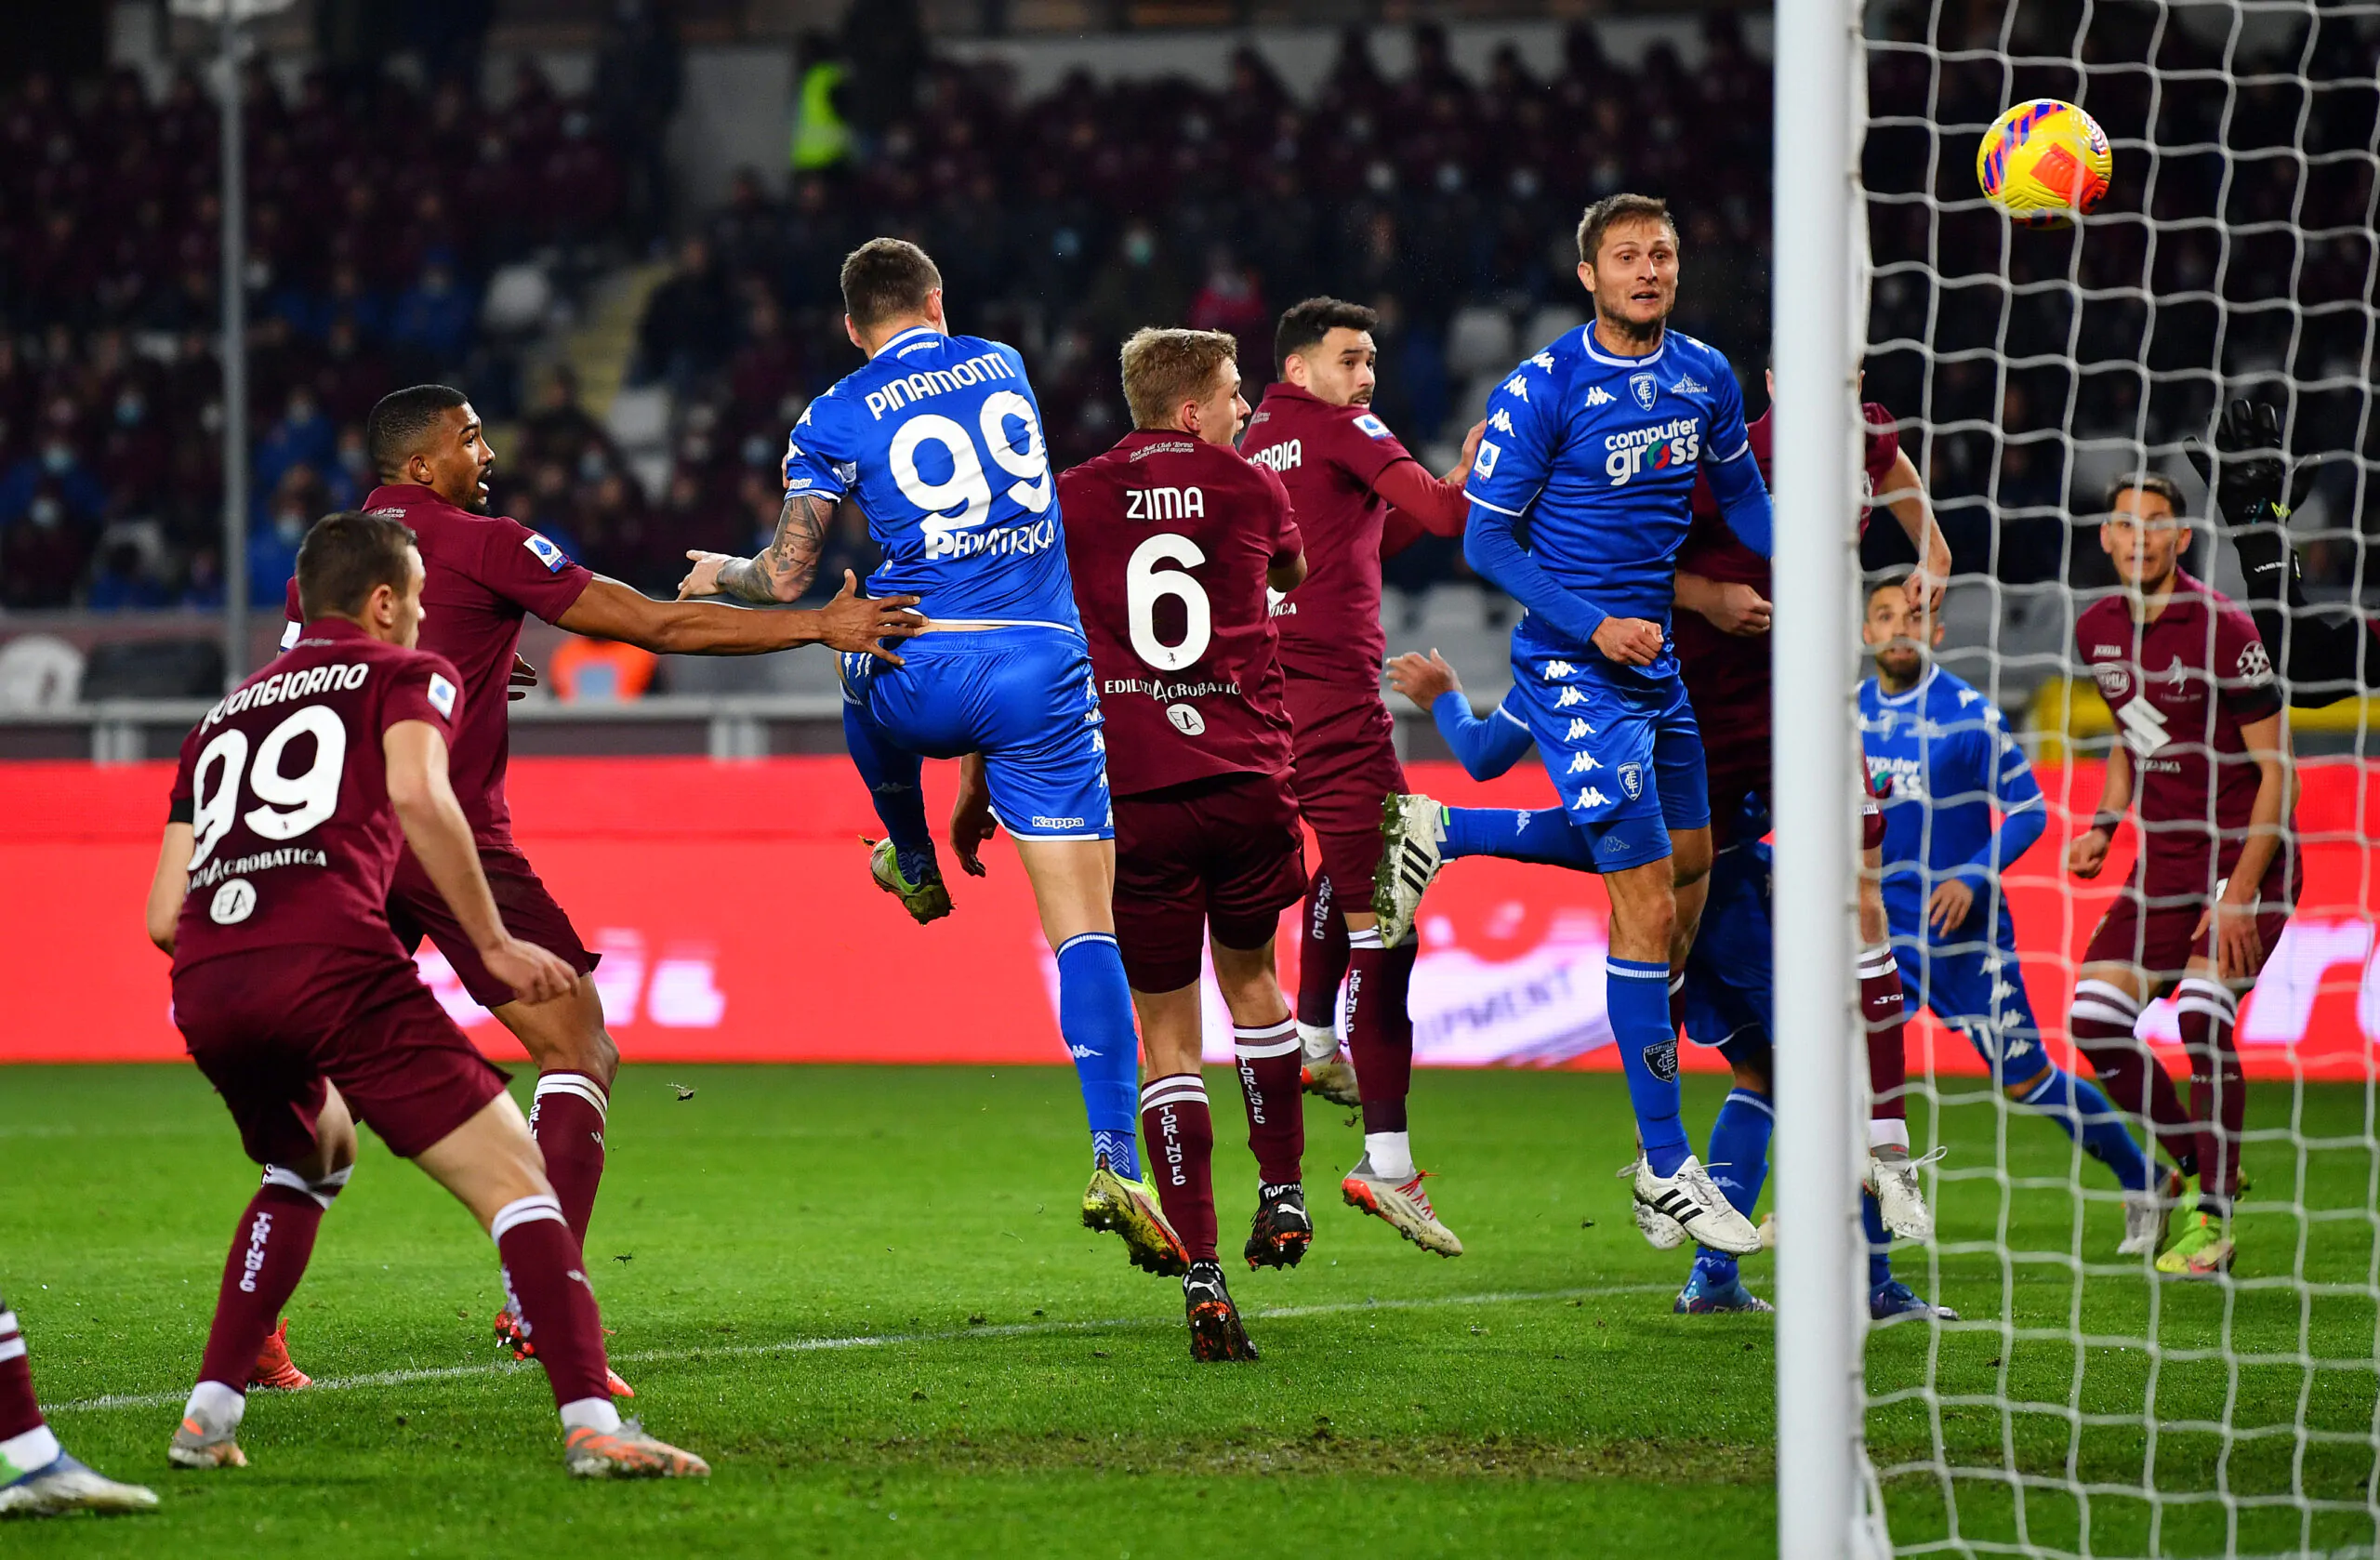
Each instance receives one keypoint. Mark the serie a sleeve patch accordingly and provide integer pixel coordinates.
(545, 552)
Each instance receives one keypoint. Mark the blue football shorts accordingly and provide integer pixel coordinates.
(1021, 697)
(1730, 988)
(1622, 749)
(1977, 987)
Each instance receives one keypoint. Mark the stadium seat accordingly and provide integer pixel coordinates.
(518, 298)
(1479, 341)
(163, 668)
(38, 671)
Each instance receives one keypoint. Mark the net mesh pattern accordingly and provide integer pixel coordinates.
(2083, 1405)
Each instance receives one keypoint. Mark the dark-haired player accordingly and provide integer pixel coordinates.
(2201, 754)
(1172, 538)
(939, 439)
(2324, 654)
(485, 573)
(295, 797)
(1354, 486)
(1594, 443)
(38, 1477)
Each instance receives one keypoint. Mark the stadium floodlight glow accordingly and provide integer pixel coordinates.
(242, 10)
(1821, 1467)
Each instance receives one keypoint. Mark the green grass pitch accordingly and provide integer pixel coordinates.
(865, 1296)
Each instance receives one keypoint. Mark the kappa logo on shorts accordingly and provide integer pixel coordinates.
(1583, 763)
(1661, 1060)
(1569, 697)
(1632, 780)
(1591, 796)
(1556, 671)
(1579, 728)
(545, 552)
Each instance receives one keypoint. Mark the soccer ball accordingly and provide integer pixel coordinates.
(2043, 162)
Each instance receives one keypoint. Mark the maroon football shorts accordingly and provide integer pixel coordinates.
(270, 1028)
(2154, 932)
(1223, 854)
(416, 910)
(1346, 766)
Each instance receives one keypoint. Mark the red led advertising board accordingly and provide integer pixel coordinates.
(732, 906)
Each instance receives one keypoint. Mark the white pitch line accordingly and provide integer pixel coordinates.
(881, 1341)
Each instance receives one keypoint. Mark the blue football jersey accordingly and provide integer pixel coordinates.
(939, 438)
(1951, 762)
(1597, 453)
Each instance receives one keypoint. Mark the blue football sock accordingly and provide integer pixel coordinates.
(1545, 836)
(1880, 1241)
(1636, 995)
(891, 777)
(2077, 1106)
(1095, 1017)
(1738, 1161)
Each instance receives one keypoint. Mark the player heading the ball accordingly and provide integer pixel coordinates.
(938, 439)
(1593, 444)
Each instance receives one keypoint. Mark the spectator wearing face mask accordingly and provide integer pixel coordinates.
(272, 548)
(41, 555)
(55, 467)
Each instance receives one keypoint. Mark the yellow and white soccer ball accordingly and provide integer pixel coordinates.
(2043, 162)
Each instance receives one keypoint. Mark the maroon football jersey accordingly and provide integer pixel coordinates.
(1328, 458)
(286, 790)
(2181, 687)
(485, 573)
(1727, 675)
(1168, 538)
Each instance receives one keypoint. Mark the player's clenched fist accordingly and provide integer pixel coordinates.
(2087, 853)
(533, 975)
(1632, 642)
(1423, 678)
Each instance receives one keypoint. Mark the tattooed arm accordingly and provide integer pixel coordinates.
(782, 570)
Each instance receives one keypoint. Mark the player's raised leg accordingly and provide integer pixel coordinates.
(902, 863)
(37, 1476)
(1074, 885)
(1323, 954)
(1892, 1175)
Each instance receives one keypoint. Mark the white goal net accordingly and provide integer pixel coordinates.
(2083, 1403)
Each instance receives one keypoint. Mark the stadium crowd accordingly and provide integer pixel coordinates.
(377, 211)
(1065, 220)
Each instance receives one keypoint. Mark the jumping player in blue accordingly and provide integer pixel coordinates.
(1951, 764)
(1592, 446)
(938, 439)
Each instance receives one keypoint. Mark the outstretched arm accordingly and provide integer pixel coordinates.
(783, 569)
(1486, 748)
(609, 610)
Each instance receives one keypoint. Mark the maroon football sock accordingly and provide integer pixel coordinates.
(545, 1284)
(1379, 1033)
(1180, 1132)
(2218, 1089)
(270, 1251)
(567, 1117)
(1322, 957)
(1268, 1086)
(19, 1414)
(1883, 1011)
(2101, 1022)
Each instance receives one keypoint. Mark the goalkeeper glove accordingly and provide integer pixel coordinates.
(2247, 473)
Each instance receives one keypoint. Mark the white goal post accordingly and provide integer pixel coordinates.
(1819, 282)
